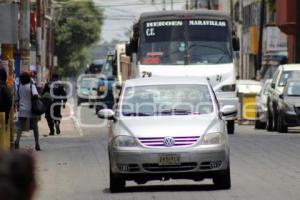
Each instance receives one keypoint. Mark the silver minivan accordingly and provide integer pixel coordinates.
(168, 128)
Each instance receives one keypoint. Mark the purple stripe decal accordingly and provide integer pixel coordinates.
(161, 138)
(176, 141)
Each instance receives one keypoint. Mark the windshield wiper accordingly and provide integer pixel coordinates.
(135, 114)
(294, 95)
(175, 111)
(225, 52)
(211, 47)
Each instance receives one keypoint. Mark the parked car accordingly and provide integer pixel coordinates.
(261, 105)
(85, 89)
(280, 78)
(289, 106)
(168, 128)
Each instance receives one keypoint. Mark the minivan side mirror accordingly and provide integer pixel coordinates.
(236, 43)
(106, 114)
(228, 111)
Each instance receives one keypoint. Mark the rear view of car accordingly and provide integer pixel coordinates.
(85, 89)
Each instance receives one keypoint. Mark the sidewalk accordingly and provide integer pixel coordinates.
(67, 126)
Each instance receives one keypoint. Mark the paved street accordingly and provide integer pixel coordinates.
(74, 166)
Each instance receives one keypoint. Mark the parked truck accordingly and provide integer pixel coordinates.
(185, 43)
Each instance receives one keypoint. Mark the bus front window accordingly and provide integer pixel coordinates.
(181, 42)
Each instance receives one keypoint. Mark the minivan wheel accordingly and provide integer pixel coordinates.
(116, 184)
(282, 128)
(258, 123)
(230, 127)
(223, 181)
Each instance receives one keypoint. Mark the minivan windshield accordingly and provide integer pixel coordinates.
(167, 100)
(293, 89)
(179, 42)
(287, 75)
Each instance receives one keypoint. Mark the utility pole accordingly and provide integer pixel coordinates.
(25, 34)
(261, 34)
(209, 6)
(164, 4)
(231, 9)
(196, 4)
(297, 50)
(172, 5)
(39, 41)
(187, 4)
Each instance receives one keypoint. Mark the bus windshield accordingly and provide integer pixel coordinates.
(181, 42)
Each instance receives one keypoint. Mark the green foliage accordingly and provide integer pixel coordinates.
(78, 26)
(271, 5)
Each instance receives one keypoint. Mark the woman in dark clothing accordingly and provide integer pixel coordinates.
(48, 102)
(59, 99)
(5, 95)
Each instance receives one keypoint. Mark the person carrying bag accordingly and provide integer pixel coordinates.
(37, 106)
(29, 108)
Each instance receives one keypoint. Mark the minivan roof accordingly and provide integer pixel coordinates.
(291, 67)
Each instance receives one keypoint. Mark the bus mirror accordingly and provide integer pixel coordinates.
(236, 43)
(134, 45)
(128, 49)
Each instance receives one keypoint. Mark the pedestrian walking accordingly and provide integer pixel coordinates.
(48, 102)
(59, 96)
(5, 95)
(26, 94)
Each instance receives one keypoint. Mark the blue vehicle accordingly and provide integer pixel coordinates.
(105, 97)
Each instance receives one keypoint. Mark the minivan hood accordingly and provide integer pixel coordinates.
(173, 126)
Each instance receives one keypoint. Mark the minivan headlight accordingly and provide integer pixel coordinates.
(289, 108)
(124, 141)
(213, 138)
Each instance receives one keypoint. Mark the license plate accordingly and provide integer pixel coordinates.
(169, 159)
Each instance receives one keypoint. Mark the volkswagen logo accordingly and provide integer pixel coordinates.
(169, 141)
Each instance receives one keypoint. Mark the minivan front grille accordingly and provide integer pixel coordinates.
(178, 141)
(170, 168)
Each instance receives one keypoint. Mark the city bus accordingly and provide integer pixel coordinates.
(197, 43)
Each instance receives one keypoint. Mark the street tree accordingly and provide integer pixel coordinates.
(78, 26)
